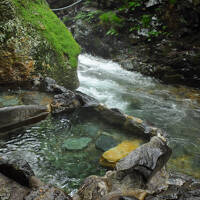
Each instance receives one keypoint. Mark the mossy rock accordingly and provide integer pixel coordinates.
(33, 40)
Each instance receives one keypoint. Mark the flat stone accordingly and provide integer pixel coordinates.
(105, 142)
(76, 143)
(112, 156)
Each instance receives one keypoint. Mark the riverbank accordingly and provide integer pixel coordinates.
(159, 40)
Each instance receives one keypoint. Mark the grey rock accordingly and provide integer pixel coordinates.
(65, 102)
(47, 192)
(147, 159)
(14, 117)
(50, 85)
(16, 169)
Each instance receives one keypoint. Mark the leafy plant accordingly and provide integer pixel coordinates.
(112, 31)
(146, 20)
(89, 16)
(110, 18)
(172, 1)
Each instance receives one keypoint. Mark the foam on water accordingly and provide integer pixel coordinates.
(175, 109)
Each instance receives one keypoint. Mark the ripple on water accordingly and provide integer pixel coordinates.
(42, 146)
(176, 109)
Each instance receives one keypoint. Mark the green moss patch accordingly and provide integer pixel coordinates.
(38, 14)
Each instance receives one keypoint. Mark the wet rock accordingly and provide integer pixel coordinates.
(11, 190)
(9, 100)
(112, 186)
(105, 142)
(36, 98)
(16, 169)
(50, 85)
(93, 188)
(112, 156)
(147, 159)
(76, 143)
(86, 100)
(152, 3)
(90, 107)
(47, 192)
(17, 116)
(65, 102)
(39, 53)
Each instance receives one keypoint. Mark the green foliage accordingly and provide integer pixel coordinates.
(113, 21)
(37, 13)
(146, 20)
(110, 18)
(130, 5)
(112, 31)
(89, 16)
(172, 1)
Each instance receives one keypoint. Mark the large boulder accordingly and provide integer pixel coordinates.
(146, 159)
(14, 117)
(17, 182)
(34, 40)
(113, 155)
(16, 169)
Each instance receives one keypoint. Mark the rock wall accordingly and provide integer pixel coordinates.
(33, 41)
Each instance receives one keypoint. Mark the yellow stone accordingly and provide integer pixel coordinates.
(138, 120)
(112, 156)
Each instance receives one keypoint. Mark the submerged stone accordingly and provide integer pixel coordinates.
(76, 143)
(112, 156)
(105, 142)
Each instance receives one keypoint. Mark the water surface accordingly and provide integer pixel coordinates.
(176, 109)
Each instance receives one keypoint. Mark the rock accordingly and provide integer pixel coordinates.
(147, 159)
(112, 156)
(47, 192)
(16, 169)
(93, 188)
(76, 143)
(31, 44)
(49, 85)
(11, 190)
(105, 142)
(86, 100)
(65, 102)
(151, 3)
(9, 100)
(36, 98)
(35, 182)
(111, 186)
(17, 116)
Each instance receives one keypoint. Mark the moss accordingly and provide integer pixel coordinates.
(38, 14)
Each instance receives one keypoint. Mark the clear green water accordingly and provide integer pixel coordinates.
(175, 109)
(42, 146)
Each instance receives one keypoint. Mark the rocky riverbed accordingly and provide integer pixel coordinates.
(140, 175)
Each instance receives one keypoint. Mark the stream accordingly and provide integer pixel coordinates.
(174, 109)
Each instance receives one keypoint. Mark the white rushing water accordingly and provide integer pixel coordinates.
(175, 109)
